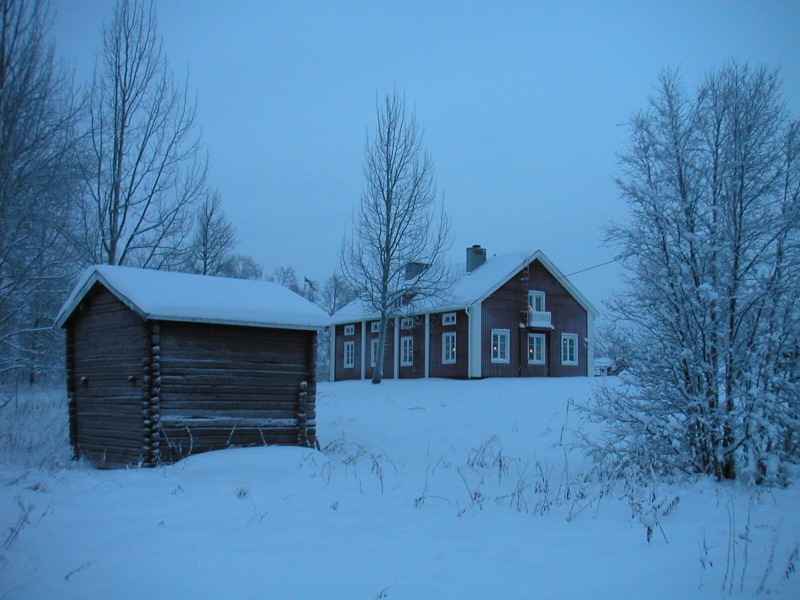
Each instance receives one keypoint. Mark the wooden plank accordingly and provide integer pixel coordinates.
(229, 422)
(210, 407)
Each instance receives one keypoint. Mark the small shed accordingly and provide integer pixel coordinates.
(161, 365)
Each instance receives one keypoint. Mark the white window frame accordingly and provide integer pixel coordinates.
(449, 348)
(567, 340)
(373, 352)
(349, 355)
(349, 329)
(533, 296)
(449, 318)
(407, 323)
(375, 327)
(497, 346)
(533, 359)
(407, 351)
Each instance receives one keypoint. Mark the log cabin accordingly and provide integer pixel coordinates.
(514, 315)
(161, 365)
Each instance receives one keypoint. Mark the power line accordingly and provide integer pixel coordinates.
(608, 262)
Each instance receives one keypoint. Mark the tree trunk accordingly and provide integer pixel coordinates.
(377, 372)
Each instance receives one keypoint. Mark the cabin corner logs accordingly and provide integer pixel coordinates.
(148, 392)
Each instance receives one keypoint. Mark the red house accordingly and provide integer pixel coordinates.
(515, 315)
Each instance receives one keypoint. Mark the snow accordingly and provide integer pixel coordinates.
(170, 296)
(425, 489)
(472, 287)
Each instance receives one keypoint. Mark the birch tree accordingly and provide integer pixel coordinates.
(143, 170)
(708, 326)
(398, 223)
(37, 186)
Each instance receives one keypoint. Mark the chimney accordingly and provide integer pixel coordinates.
(476, 256)
(415, 269)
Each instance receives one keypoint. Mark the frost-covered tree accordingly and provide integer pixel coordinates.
(143, 169)
(708, 326)
(398, 225)
(37, 187)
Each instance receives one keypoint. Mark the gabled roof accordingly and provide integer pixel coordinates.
(474, 287)
(169, 296)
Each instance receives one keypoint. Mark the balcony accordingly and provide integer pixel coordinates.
(539, 319)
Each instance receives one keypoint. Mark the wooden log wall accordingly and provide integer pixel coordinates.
(311, 391)
(226, 386)
(151, 397)
(71, 406)
(106, 346)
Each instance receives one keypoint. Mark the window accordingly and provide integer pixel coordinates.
(349, 329)
(407, 323)
(449, 319)
(375, 327)
(569, 349)
(536, 301)
(374, 352)
(500, 343)
(536, 343)
(349, 355)
(449, 348)
(406, 351)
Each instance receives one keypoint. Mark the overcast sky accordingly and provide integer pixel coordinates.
(524, 105)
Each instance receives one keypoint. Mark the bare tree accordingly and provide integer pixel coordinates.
(708, 327)
(37, 185)
(214, 238)
(287, 277)
(393, 257)
(240, 266)
(143, 168)
(336, 294)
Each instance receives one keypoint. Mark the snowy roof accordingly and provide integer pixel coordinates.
(169, 296)
(474, 287)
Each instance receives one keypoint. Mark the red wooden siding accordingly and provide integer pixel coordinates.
(388, 354)
(340, 372)
(459, 369)
(417, 334)
(504, 309)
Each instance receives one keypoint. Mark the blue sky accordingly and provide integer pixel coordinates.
(524, 106)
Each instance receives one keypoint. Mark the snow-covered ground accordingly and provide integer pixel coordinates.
(424, 489)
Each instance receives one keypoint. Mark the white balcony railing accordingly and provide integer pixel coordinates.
(539, 318)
